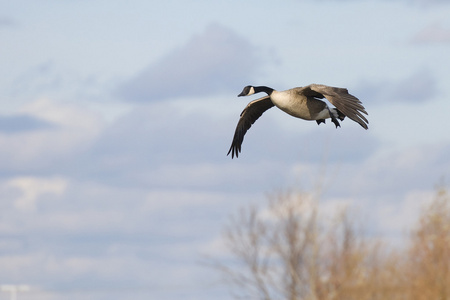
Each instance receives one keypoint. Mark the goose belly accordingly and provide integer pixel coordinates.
(298, 109)
(301, 107)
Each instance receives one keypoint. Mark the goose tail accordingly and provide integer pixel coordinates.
(338, 114)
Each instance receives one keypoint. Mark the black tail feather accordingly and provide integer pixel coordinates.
(341, 116)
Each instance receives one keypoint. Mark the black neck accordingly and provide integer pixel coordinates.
(259, 89)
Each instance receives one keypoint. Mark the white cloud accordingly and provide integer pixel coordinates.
(6, 22)
(398, 216)
(73, 129)
(419, 87)
(218, 60)
(22, 122)
(85, 235)
(394, 173)
(31, 188)
(51, 80)
(62, 114)
(434, 33)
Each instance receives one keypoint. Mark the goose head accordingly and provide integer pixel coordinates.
(250, 90)
(247, 91)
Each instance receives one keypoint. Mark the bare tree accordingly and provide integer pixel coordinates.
(290, 250)
(285, 252)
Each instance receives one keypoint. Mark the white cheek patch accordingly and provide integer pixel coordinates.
(251, 91)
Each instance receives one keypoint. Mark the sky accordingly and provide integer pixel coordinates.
(116, 117)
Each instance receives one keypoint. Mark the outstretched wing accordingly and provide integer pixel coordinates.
(249, 115)
(348, 104)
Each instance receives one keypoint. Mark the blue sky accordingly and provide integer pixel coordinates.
(116, 117)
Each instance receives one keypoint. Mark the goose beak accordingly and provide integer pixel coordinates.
(241, 94)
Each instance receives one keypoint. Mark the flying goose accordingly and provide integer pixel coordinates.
(300, 102)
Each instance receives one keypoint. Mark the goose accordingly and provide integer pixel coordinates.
(299, 102)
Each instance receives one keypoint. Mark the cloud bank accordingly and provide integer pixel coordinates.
(434, 33)
(22, 123)
(419, 87)
(6, 22)
(215, 61)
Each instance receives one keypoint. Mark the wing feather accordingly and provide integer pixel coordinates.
(249, 115)
(348, 104)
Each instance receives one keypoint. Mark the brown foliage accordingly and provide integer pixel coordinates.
(428, 267)
(290, 250)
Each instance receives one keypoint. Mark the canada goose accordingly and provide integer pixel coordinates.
(300, 102)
